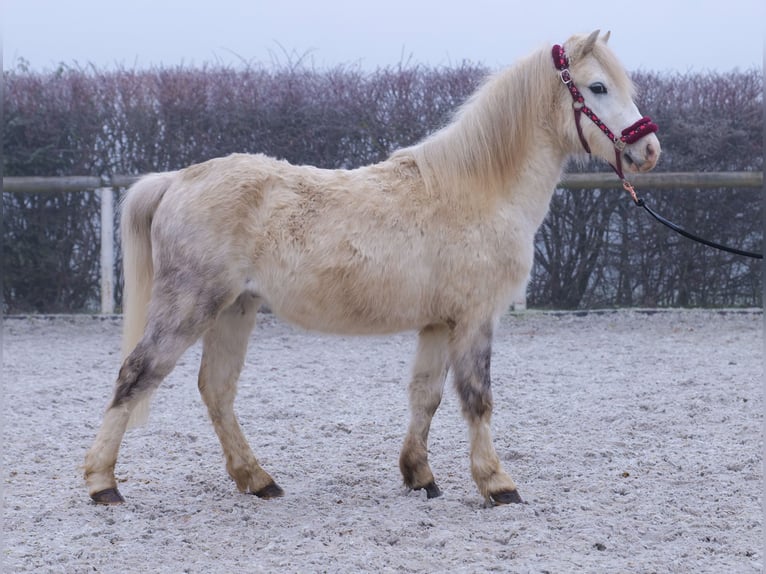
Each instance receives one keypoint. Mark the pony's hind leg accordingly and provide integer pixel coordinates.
(175, 320)
(141, 373)
(470, 355)
(223, 355)
(426, 388)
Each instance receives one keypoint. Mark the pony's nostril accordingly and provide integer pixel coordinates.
(651, 153)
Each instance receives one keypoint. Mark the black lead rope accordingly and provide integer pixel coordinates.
(641, 203)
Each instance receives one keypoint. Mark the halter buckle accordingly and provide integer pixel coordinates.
(619, 144)
(566, 78)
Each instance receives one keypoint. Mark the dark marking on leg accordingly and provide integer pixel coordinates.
(169, 332)
(471, 357)
(131, 376)
(473, 380)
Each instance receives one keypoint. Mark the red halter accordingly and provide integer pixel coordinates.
(629, 135)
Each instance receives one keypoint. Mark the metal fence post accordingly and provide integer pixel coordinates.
(107, 250)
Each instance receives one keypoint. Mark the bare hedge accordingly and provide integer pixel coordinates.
(594, 249)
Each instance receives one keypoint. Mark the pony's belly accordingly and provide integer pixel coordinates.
(344, 320)
(343, 302)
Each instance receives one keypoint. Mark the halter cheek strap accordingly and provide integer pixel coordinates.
(629, 135)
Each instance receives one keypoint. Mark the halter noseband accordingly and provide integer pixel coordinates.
(629, 135)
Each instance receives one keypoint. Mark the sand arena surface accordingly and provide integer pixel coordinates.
(634, 437)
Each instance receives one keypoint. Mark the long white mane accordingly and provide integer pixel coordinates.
(488, 142)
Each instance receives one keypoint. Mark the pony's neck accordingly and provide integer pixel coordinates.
(500, 141)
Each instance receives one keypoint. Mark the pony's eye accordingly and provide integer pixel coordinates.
(597, 88)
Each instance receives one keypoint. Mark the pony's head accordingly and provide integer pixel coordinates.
(596, 103)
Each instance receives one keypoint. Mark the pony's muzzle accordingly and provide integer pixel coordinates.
(643, 148)
(643, 155)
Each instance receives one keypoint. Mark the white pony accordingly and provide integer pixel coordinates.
(438, 239)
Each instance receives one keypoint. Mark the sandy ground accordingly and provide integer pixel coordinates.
(634, 437)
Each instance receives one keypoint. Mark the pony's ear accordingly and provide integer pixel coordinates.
(590, 41)
(605, 37)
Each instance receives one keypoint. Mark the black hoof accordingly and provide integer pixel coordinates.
(271, 490)
(109, 496)
(432, 491)
(507, 497)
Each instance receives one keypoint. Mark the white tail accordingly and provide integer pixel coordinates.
(138, 208)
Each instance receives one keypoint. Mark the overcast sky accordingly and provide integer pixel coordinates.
(661, 35)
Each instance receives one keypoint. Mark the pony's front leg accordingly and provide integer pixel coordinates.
(223, 355)
(470, 356)
(426, 388)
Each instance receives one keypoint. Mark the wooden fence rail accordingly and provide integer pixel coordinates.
(656, 180)
(107, 184)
